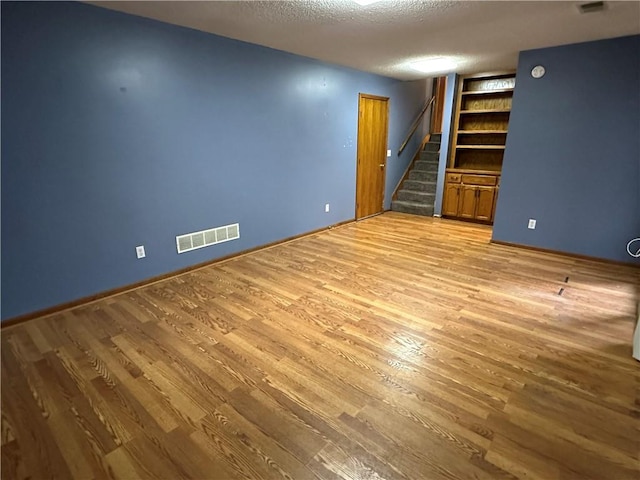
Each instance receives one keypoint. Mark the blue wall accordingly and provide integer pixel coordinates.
(572, 159)
(447, 122)
(120, 131)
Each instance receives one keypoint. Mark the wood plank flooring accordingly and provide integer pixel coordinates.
(399, 347)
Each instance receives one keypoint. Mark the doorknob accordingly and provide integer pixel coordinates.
(382, 164)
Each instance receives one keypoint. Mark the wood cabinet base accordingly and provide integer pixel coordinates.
(470, 195)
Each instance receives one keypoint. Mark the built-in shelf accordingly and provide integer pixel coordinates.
(490, 110)
(473, 132)
(472, 183)
(480, 147)
(488, 92)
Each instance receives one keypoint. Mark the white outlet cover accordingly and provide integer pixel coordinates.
(532, 224)
(140, 251)
(388, 153)
(326, 207)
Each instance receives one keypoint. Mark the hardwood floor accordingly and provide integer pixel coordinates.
(399, 347)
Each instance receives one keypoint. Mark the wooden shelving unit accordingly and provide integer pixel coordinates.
(481, 147)
(488, 110)
(479, 137)
(474, 132)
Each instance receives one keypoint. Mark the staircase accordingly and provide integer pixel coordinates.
(417, 193)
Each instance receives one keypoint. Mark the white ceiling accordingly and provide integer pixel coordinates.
(384, 37)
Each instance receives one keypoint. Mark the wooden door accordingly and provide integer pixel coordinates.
(373, 121)
(451, 199)
(468, 201)
(484, 203)
(439, 90)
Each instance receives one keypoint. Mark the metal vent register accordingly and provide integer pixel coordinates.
(205, 238)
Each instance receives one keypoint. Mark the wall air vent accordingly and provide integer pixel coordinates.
(591, 7)
(205, 238)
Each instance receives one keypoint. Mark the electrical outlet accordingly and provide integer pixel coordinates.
(326, 208)
(532, 224)
(140, 251)
(388, 153)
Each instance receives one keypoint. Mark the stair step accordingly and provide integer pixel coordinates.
(435, 137)
(417, 185)
(423, 176)
(423, 198)
(431, 146)
(412, 207)
(422, 166)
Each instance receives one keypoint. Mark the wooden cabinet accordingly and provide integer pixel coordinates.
(495, 202)
(484, 203)
(476, 203)
(470, 196)
(451, 199)
(479, 136)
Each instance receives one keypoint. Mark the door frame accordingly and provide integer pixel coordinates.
(384, 161)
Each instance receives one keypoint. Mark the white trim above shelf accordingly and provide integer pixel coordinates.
(488, 92)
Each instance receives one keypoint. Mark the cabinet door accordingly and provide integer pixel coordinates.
(451, 199)
(468, 201)
(495, 202)
(484, 203)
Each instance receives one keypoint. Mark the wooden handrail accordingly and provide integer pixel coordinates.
(415, 125)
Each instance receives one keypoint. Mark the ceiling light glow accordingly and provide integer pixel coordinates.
(435, 65)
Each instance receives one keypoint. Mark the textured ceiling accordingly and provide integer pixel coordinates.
(384, 37)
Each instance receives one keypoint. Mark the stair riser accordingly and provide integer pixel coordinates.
(423, 176)
(426, 211)
(419, 197)
(421, 166)
(430, 156)
(435, 137)
(419, 186)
